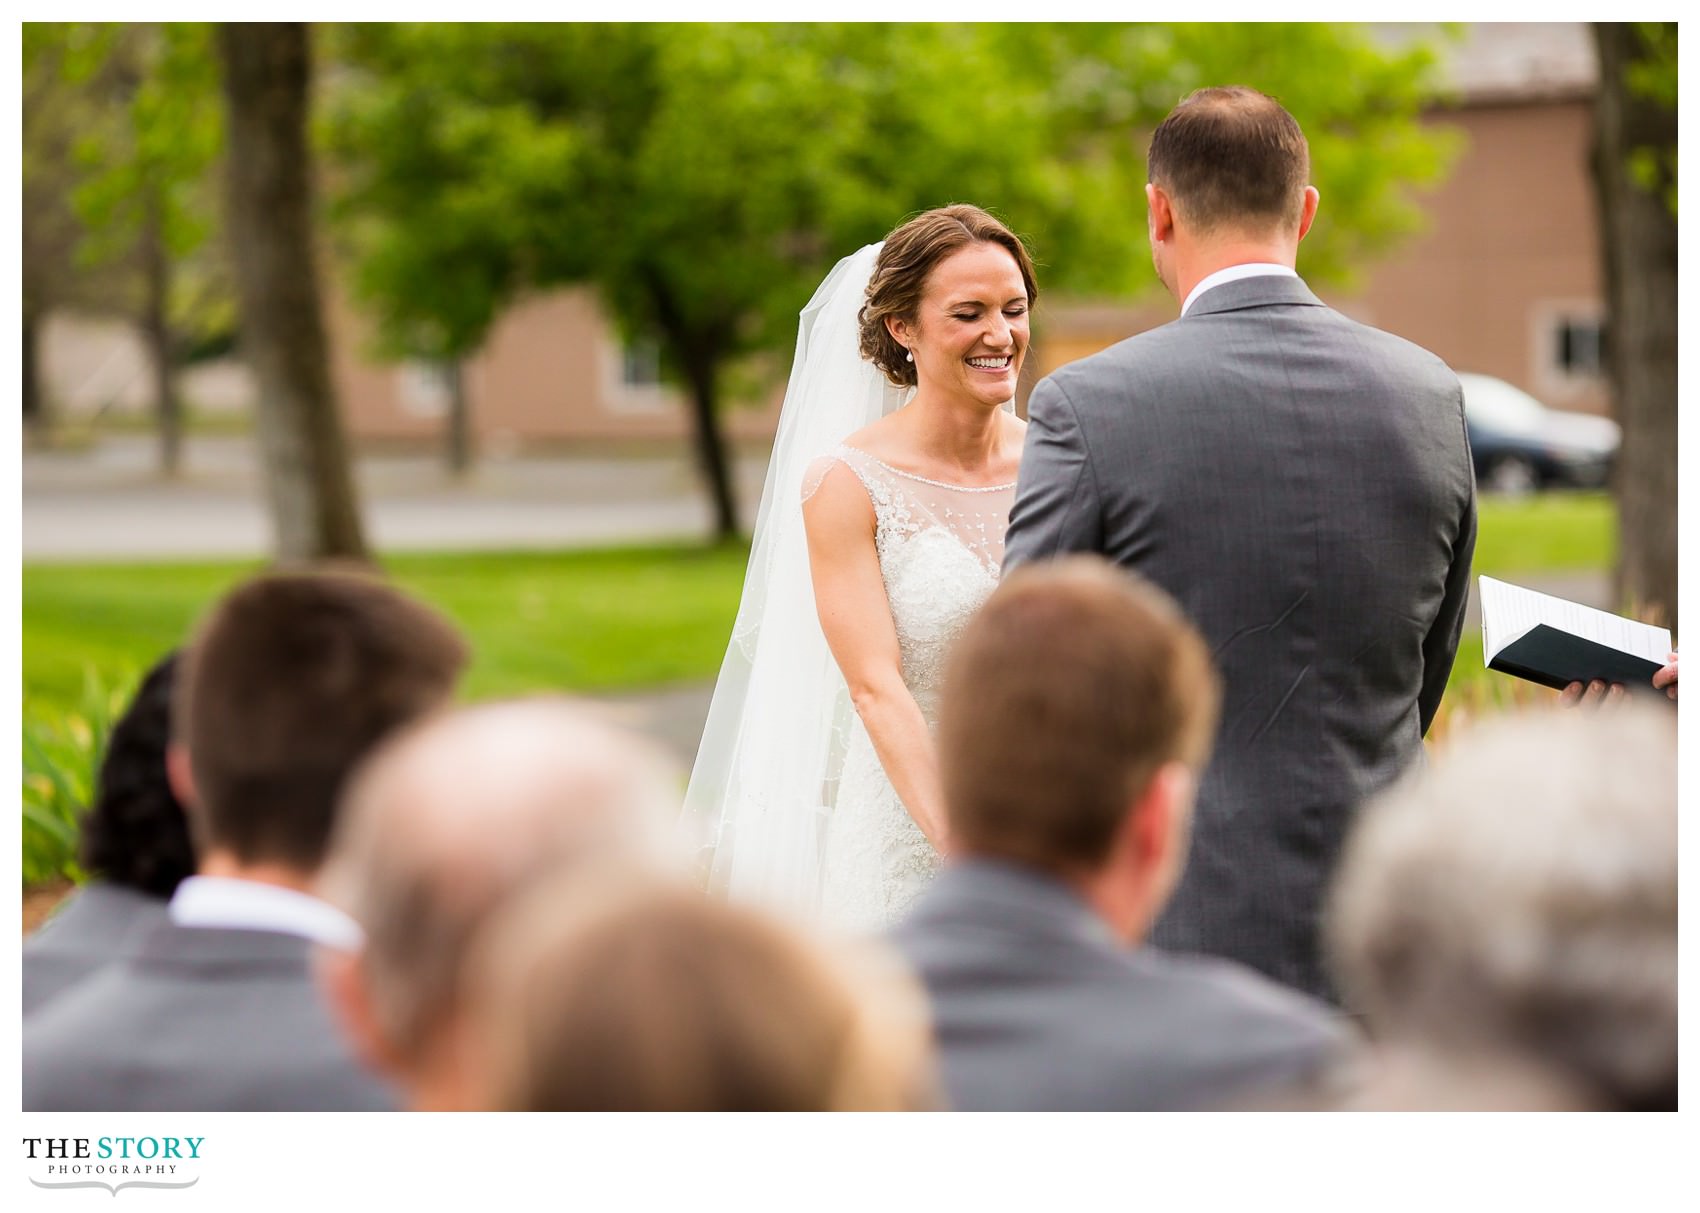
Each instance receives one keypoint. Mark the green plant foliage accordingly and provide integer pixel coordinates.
(62, 749)
(147, 150)
(704, 177)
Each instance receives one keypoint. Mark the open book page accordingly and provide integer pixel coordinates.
(1510, 611)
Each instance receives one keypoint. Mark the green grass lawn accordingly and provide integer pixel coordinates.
(591, 621)
(1549, 532)
(572, 621)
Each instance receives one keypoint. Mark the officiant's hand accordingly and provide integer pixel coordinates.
(1592, 694)
(1598, 692)
(1665, 679)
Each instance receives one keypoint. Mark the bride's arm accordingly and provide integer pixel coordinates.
(856, 618)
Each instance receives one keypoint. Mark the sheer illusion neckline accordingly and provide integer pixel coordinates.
(940, 484)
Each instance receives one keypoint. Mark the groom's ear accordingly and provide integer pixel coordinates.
(1307, 215)
(1161, 213)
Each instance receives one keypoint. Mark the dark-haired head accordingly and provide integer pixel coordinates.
(1231, 157)
(292, 679)
(134, 834)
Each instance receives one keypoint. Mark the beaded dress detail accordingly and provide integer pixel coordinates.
(940, 549)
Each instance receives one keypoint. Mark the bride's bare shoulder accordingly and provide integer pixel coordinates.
(883, 439)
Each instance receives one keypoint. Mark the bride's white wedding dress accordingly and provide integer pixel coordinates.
(788, 804)
(940, 547)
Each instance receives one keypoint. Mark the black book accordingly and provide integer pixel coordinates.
(1556, 642)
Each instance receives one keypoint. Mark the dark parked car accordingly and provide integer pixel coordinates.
(1521, 445)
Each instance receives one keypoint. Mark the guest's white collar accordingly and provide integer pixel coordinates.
(1251, 269)
(248, 905)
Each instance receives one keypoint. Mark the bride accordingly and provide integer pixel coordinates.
(880, 532)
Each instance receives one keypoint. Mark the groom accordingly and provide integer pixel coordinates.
(1301, 484)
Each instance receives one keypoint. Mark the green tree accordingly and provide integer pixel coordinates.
(704, 177)
(1635, 190)
(436, 201)
(121, 129)
(146, 200)
(53, 114)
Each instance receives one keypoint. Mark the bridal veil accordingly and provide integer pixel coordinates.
(774, 741)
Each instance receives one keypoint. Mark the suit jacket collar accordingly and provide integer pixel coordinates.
(211, 949)
(1015, 893)
(97, 917)
(1265, 290)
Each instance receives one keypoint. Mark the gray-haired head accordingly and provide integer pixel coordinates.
(453, 816)
(1518, 899)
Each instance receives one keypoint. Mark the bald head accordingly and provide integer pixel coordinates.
(457, 812)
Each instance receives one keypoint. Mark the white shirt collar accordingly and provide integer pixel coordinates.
(1251, 269)
(248, 905)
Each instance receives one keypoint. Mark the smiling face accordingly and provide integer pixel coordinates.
(970, 333)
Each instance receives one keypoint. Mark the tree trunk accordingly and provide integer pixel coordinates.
(693, 352)
(156, 331)
(35, 399)
(267, 67)
(459, 418)
(700, 377)
(1638, 245)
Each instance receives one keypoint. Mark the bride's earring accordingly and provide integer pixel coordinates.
(910, 356)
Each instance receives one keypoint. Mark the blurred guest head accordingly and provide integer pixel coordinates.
(446, 821)
(1514, 906)
(291, 679)
(1077, 712)
(590, 999)
(134, 833)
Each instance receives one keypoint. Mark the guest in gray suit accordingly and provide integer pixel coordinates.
(442, 827)
(292, 678)
(133, 843)
(1076, 711)
(1301, 484)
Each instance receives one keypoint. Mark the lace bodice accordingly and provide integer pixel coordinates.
(940, 548)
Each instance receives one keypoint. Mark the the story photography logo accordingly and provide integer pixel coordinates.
(113, 1163)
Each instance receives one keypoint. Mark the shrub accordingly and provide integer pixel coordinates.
(62, 749)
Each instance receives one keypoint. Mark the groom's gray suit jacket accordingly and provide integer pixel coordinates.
(1301, 484)
(1036, 1007)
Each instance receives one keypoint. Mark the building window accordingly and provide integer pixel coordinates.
(641, 364)
(633, 378)
(1580, 348)
(1568, 346)
(423, 389)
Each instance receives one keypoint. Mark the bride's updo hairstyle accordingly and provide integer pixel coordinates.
(906, 262)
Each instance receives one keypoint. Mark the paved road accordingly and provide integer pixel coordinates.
(109, 504)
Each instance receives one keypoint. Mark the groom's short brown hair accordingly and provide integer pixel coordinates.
(1231, 156)
(1062, 698)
